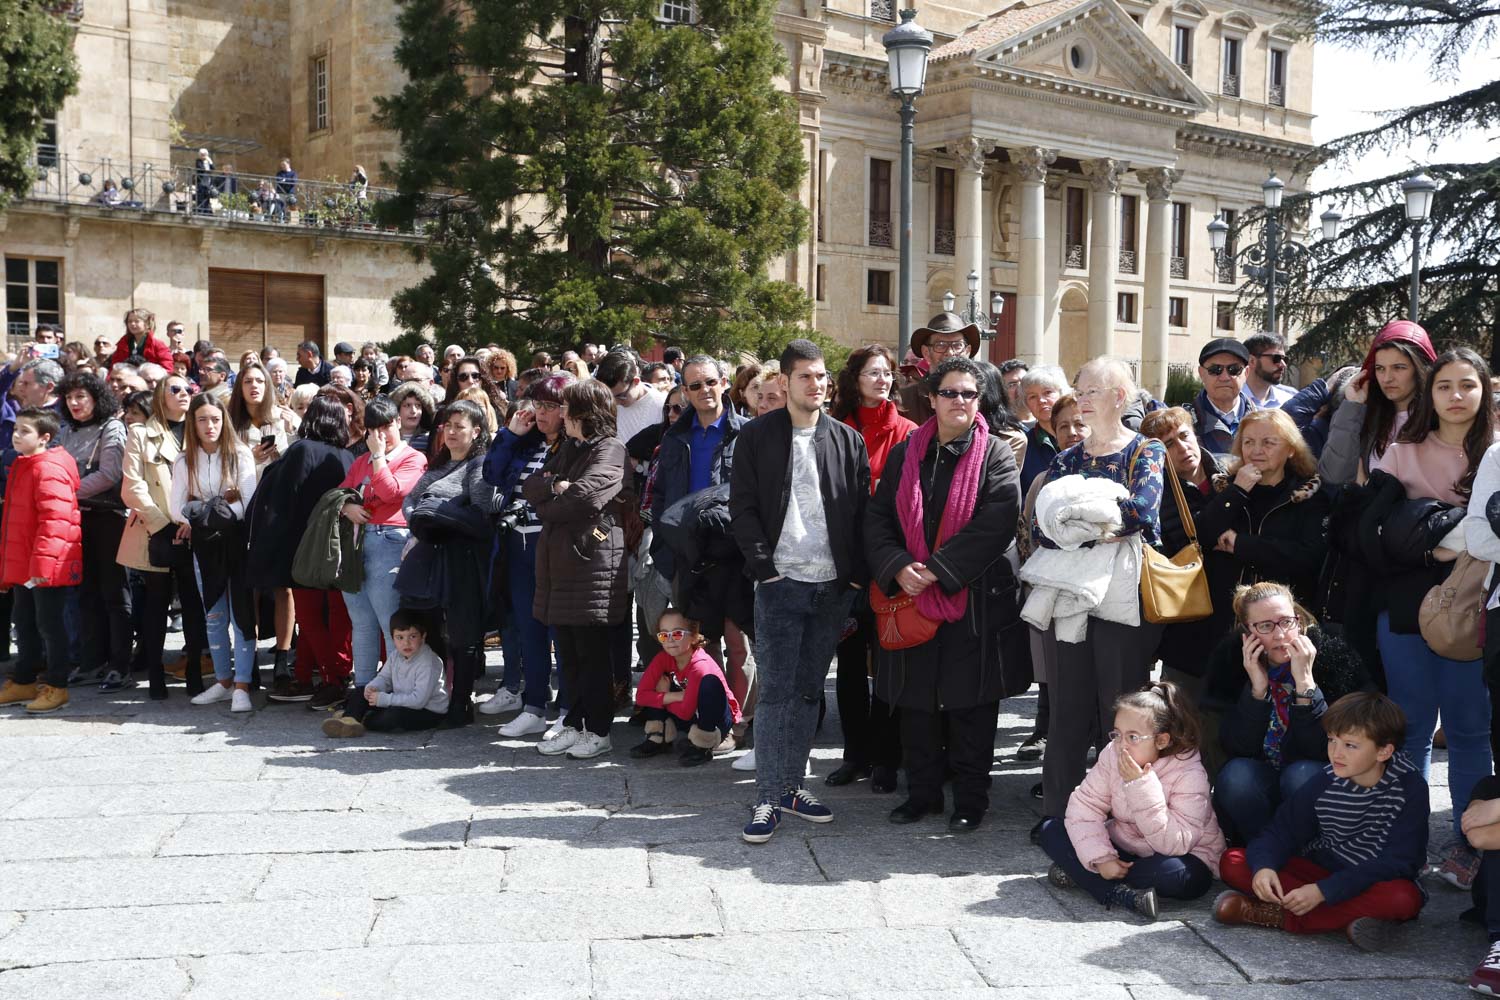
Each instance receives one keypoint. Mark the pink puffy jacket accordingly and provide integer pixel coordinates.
(1168, 811)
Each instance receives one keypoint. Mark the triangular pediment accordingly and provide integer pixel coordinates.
(1088, 45)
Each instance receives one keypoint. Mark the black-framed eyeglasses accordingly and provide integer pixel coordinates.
(1217, 370)
(965, 395)
(1276, 359)
(1281, 624)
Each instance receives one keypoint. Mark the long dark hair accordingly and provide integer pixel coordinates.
(497, 400)
(847, 397)
(1380, 412)
(992, 405)
(1424, 419)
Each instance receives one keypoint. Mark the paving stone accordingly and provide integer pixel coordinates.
(664, 783)
(60, 802)
(752, 908)
(296, 832)
(315, 793)
(1125, 951)
(833, 964)
(60, 885)
(987, 851)
(383, 874)
(1110, 992)
(204, 797)
(9, 920)
(118, 771)
(1361, 989)
(534, 826)
(563, 868)
(729, 860)
(336, 921)
(19, 747)
(650, 826)
(543, 970)
(525, 915)
(297, 975)
(925, 901)
(89, 837)
(126, 980)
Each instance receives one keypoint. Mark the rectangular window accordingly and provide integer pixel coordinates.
(46, 144)
(878, 288)
(1230, 85)
(248, 310)
(1181, 218)
(1276, 94)
(820, 290)
(1075, 229)
(1130, 206)
(317, 94)
(677, 11)
(1177, 311)
(880, 203)
(33, 294)
(1125, 307)
(944, 192)
(822, 199)
(1182, 47)
(1223, 315)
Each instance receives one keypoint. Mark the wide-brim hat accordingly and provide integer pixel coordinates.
(946, 323)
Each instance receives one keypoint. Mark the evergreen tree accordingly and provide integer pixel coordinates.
(37, 71)
(585, 170)
(1361, 281)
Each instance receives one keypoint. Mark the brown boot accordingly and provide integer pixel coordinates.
(1237, 908)
(48, 699)
(12, 693)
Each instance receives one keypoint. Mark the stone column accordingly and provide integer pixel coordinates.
(1052, 268)
(1154, 351)
(969, 243)
(1031, 162)
(1104, 242)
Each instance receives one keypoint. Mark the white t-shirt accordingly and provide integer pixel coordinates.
(644, 412)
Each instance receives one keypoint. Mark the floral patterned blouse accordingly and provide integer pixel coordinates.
(1137, 468)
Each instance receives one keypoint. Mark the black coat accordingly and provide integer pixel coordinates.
(710, 585)
(289, 489)
(978, 659)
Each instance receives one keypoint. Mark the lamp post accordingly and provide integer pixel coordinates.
(907, 46)
(987, 322)
(1270, 257)
(1418, 191)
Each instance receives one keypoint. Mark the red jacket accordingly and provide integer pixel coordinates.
(155, 351)
(40, 534)
(688, 678)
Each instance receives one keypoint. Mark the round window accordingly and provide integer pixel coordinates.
(1076, 57)
(1080, 58)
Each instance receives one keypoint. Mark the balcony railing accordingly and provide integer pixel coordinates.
(883, 10)
(944, 241)
(1178, 267)
(1225, 270)
(153, 188)
(1127, 261)
(1276, 96)
(70, 9)
(880, 231)
(1231, 87)
(1074, 255)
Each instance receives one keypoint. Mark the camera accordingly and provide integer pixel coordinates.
(512, 517)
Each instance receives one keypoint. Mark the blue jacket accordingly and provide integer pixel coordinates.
(1303, 409)
(506, 459)
(674, 473)
(1213, 434)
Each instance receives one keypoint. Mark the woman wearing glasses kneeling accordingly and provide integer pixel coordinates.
(1268, 685)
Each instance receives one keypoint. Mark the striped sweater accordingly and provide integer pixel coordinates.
(1361, 835)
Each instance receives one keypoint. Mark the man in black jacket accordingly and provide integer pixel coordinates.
(796, 501)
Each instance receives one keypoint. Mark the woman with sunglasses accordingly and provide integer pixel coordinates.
(146, 487)
(518, 453)
(469, 373)
(502, 368)
(1266, 687)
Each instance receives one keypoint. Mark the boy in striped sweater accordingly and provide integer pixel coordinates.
(1344, 852)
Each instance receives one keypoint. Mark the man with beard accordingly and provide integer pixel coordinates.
(1267, 370)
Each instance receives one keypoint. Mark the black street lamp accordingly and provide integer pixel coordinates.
(1418, 190)
(907, 46)
(1269, 259)
(987, 323)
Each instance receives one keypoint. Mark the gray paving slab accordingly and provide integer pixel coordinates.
(382, 874)
(729, 860)
(58, 802)
(118, 771)
(112, 882)
(124, 980)
(556, 915)
(565, 868)
(193, 797)
(296, 832)
(534, 826)
(1087, 954)
(752, 908)
(88, 837)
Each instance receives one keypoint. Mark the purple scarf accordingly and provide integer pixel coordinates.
(963, 495)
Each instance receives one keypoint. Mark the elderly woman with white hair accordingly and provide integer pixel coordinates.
(1041, 388)
(1113, 657)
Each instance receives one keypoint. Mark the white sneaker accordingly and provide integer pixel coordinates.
(588, 745)
(745, 763)
(503, 701)
(241, 702)
(214, 692)
(557, 742)
(525, 724)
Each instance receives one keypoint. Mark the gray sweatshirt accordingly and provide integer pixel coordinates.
(419, 682)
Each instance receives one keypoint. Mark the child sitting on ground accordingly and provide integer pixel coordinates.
(1141, 824)
(1343, 853)
(1481, 825)
(410, 692)
(684, 684)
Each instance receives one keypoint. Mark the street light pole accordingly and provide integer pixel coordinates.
(907, 46)
(1273, 250)
(1418, 190)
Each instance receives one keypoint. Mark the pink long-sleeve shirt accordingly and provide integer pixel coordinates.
(385, 488)
(701, 665)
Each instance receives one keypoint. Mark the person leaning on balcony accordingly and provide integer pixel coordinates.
(140, 340)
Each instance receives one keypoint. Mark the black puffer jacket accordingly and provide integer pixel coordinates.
(581, 578)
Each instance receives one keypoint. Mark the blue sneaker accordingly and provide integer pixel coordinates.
(802, 803)
(763, 822)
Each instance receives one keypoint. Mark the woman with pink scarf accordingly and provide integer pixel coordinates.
(938, 528)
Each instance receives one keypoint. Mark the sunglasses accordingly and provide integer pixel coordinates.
(178, 390)
(707, 383)
(1217, 370)
(675, 635)
(468, 376)
(674, 407)
(966, 395)
(1276, 359)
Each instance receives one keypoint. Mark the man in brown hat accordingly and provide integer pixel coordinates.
(945, 336)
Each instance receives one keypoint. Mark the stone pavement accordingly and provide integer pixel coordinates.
(164, 851)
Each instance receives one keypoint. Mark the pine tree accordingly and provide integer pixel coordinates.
(37, 72)
(1361, 280)
(585, 170)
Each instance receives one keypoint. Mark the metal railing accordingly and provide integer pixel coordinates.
(944, 241)
(1127, 261)
(1277, 95)
(1074, 255)
(880, 231)
(1178, 267)
(1231, 87)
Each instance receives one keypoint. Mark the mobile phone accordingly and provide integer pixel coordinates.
(47, 351)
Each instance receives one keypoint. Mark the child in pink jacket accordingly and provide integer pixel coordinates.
(1141, 825)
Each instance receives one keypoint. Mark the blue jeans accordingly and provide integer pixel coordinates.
(797, 629)
(1425, 685)
(1248, 791)
(371, 608)
(525, 641)
(1186, 877)
(238, 664)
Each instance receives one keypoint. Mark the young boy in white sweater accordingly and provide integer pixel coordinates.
(409, 692)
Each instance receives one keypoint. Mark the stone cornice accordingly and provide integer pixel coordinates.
(1211, 139)
(73, 214)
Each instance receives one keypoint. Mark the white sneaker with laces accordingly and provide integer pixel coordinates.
(214, 692)
(241, 701)
(558, 742)
(746, 762)
(504, 700)
(588, 745)
(525, 724)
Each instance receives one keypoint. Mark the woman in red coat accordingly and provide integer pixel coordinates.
(41, 554)
(872, 734)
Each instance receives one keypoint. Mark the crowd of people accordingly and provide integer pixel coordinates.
(945, 531)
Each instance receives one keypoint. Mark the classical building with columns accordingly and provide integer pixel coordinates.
(1071, 152)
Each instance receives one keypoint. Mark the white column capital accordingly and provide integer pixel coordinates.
(1159, 182)
(1033, 161)
(1105, 173)
(971, 151)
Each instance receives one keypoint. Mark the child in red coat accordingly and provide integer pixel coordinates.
(683, 684)
(41, 554)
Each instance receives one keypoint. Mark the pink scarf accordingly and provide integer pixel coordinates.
(963, 495)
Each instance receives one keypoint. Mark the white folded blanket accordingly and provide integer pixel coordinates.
(1070, 583)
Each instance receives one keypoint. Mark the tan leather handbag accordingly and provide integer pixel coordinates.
(1176, 589)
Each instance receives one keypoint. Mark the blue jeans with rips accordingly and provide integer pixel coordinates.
(233, 659)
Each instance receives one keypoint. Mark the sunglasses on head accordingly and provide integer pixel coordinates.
(1217, 370)
(701, 384)
(674, 635)
(966, 395)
